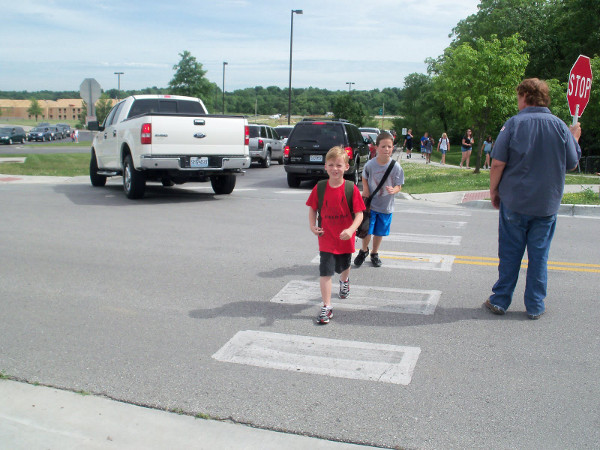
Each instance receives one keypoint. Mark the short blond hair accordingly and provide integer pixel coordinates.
(337, 152)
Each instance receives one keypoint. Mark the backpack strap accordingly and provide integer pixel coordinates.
(348, 191)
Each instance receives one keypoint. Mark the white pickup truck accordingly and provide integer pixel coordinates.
(169, 139)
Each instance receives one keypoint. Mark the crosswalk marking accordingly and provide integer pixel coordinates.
(321, 356)
(364, 298)
(436, 239)
(412, 261)
(433, 211)
(446, 223)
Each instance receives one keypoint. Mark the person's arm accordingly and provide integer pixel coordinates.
(312, 222)
(438, 146)
(348, 232)
(495, 177)
(576, 132)
(365, 186)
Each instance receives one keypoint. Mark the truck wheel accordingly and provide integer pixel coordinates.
(97, 180)
(293, 180)
(223, 184)
(167, 182)
(267, 161)
(134, 181)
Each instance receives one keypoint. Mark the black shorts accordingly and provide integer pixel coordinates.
(331, 262)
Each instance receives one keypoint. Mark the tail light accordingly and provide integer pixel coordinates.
(349, 151)
(286, 151)
(246, 135)
(261, 143)
(146, 136)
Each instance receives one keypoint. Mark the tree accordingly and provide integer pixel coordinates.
(189, 78)
(35, 109)
(345, 107)
(103, 107)
(478, 82)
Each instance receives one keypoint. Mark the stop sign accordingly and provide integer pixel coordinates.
(580, 85)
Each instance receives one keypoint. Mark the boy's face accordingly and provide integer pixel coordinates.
(385, 148)
(336, 167)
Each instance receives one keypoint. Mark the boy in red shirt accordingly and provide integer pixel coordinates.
(337, 231)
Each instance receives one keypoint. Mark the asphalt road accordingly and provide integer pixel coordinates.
(132, 299)
(37, 147)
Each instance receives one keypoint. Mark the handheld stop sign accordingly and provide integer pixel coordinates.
(579, 86)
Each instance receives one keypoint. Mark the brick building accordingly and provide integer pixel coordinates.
(52, 110)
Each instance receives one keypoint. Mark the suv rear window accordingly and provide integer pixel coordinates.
(151, 105)
(253, 131)
(322, 135)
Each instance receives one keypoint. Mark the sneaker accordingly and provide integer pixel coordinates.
(535, 316)
(325, 315)
(375, 260)
(360, 258)
(493, 308)
(345, 288)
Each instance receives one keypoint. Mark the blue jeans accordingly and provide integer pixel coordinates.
(515, 232)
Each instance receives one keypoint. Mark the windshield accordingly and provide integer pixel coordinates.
(317, 135)
(36, 129)
(283, 132)
(4, 130)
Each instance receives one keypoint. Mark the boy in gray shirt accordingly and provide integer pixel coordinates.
(382, 204)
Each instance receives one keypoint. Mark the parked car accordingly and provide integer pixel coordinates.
(370, 130)
(371, 140)
(265, 145)
(39, 134)
(10, 135)
(66, 129)
(55, 132)
(284, 132)
(309, 142)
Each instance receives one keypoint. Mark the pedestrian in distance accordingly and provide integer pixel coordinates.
(428, 150)
(487, 148)
(408, 143)
(424, 140)
(443, 146)
(382, 204)
(336, 227)
(532, 153)
(466, 148)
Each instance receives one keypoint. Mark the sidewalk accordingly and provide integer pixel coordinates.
(37, 417)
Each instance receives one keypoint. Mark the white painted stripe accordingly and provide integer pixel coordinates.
(322, 356)
(446, 223)
(433, 211)
(413, 261)
(363, 298)
(436, 239)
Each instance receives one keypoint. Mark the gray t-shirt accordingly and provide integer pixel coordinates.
(383, 202)
(538, 149)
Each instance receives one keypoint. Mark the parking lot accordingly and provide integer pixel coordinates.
(206, 305)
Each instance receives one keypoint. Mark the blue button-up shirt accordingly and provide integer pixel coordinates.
(538, 149)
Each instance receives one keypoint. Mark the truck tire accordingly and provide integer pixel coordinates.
(223, 184)
(266, 163)
(97, 180)
(134, 181)
(293, 180)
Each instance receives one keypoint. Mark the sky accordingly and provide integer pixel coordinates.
(55, 44)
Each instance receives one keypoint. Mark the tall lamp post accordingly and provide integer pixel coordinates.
(118, 74)
(224, 64)
(297, 11)
(350, 83)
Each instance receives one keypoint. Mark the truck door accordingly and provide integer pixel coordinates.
(107, 143)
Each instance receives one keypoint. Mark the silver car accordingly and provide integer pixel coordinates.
(265, 145)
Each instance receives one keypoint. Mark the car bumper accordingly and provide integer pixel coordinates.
(181, 162)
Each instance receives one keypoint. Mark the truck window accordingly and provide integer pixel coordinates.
(189, 107)
(144, 106)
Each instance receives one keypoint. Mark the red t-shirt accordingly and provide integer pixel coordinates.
(336, 217)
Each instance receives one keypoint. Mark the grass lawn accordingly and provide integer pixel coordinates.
(56, 164)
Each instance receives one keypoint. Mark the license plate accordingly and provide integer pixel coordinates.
(316, 158)
(199, 161)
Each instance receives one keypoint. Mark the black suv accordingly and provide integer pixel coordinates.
(309, 142)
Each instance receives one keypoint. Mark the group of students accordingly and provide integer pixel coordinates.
(443, 146)
(340, 217)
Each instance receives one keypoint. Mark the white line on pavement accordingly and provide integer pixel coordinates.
(436, 239)
(433, 211)
(321, 356)
(380, 299)
(413, 261)
(446, 223)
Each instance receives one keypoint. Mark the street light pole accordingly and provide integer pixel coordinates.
(350, 83)
(118, 74)
(224, 64)
(297, 11)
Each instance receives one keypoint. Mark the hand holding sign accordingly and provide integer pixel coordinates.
(579, 87)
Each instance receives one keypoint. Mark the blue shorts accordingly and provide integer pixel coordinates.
(443, 151)
(465, 149)
(380, 223)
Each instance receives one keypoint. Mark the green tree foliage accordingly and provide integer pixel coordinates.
(35, 109)
(189, 78)
(103, 107)
(478, 83)
(346, 107)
